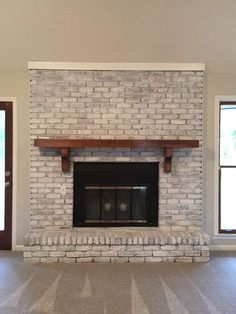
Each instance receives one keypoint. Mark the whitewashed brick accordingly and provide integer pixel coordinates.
(109, 253)
(48, 260)
(202, 259)
(123, 104)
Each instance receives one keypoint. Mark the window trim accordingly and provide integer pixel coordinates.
(217, 233)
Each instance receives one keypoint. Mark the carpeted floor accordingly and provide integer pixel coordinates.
(167, 288)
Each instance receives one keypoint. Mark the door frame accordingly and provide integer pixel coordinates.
(13, 100)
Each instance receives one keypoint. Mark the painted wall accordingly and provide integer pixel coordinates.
(118, 31)
(115, 31)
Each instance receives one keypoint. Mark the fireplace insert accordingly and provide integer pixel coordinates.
(115, 194)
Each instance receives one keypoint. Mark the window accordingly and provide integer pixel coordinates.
(227, 167)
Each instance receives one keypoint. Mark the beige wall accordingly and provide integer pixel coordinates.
(217, 84)
(16, 84)
(115, 31)
(118, 31)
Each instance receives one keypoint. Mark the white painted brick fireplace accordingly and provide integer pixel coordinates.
(119, 101)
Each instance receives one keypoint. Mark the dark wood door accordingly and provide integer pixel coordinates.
(6, 129)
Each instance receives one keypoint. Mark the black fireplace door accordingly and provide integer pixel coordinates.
(115, 194)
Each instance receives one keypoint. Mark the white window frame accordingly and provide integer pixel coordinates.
(218, 100)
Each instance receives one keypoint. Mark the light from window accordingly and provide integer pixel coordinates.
(227, 168)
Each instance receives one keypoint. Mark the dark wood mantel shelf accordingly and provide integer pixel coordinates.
(66, 144)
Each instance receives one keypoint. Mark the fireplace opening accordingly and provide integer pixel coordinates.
(115, 194)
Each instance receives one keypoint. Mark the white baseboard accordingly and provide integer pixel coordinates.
(222, 247)
(18, 247)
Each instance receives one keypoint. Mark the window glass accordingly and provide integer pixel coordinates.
(2, 169)
(227, 135)
(228, 198)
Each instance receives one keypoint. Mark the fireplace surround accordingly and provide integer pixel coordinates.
(116, 102)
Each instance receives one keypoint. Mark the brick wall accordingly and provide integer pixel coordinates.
(120, 105)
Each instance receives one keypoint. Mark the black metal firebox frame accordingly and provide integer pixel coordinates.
(113, 174)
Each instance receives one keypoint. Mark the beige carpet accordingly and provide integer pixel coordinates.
(118, 288)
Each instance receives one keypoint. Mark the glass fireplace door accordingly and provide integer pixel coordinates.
(116, 204)
(115, 194)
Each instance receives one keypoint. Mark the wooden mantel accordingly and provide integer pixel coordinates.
(66, 144)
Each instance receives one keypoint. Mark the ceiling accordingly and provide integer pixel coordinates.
(118, 31)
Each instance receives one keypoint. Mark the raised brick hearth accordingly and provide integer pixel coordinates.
(116, 104)
(117, 245)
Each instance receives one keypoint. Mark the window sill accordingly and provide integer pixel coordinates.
(223, 236)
